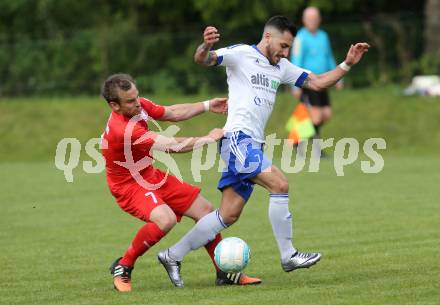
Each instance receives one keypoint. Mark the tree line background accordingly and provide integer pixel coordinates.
(70, 46)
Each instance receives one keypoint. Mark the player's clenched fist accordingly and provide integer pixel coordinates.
(210, 36)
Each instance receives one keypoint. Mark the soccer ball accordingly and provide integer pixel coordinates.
(232, 255)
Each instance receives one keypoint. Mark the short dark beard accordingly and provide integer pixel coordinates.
(269, 55)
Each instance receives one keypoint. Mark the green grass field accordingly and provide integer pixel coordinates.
(379, 233)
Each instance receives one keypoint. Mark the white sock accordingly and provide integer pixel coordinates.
(202, 233)
(281, 221)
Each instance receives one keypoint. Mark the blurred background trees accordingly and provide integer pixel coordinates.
(430, 61)
(69, 47)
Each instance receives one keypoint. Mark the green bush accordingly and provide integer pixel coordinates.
(428, 64)
(49, 50)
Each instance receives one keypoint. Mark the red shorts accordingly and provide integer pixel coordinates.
(139, 201)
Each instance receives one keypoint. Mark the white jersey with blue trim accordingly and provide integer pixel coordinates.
(252, 85)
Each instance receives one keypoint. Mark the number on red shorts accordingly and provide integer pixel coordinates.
(152, 195)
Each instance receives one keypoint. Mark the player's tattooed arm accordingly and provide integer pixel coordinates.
(211, 59)
(322, 81)
(305, 84)
(204, 56)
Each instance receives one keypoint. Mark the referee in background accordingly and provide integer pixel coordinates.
(312, 51)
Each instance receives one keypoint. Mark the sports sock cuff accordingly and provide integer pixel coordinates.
(279, 195)
(279, 198)
(220, 219)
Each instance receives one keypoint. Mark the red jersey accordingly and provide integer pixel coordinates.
(122, 138)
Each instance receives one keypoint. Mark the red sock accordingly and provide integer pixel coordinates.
(210, 247)
(145, 238)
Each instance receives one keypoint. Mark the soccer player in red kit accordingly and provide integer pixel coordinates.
(147, 193)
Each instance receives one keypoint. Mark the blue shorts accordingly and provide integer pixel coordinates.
(244, 159)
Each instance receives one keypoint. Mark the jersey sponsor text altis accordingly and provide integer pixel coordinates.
(253, 84)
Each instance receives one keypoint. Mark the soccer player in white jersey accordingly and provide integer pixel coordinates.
(254, 74)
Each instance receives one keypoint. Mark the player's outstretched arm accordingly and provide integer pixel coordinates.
(181, 112)
(328, 79)
(204, 56)
(182, 145)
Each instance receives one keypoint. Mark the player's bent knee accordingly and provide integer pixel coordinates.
(205, 210)
(200, 208)
(282, 187)
(165, 219)
(231, 218)
(166, 223)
